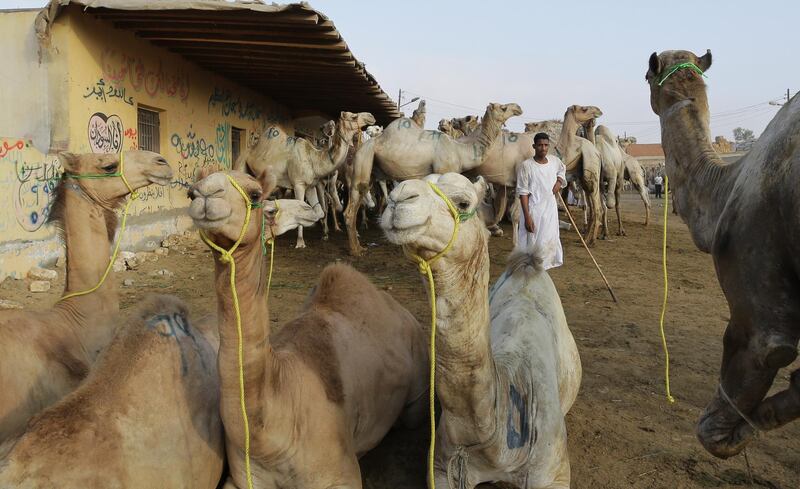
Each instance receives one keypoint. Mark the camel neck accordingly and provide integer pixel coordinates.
(568, 130)
(332, 158)
(251, 288)
(700, 180)
(490, 129)
(88, 251)
(465, 370)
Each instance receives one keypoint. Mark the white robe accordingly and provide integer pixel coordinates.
(536, 181)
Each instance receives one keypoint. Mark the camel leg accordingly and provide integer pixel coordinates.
(299, 192)
(621, 230)
(323, 201)
(499, 203)
(362, 169)
(385, 195)
(516, 210)
(333, 195)
(591, 185)
(781, 408)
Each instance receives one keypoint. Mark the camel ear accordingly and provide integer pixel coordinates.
(704, 61)
(206, 171)
(481, 187)
(654, 65)
(69, 161)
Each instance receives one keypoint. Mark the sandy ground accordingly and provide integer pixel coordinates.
(622, 431)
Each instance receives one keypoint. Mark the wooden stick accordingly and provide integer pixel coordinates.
(613, 296)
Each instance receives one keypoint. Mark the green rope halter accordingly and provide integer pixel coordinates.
(681, 66)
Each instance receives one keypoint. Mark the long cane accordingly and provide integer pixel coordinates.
(587, 248)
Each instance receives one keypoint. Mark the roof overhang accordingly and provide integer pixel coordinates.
(290, 53)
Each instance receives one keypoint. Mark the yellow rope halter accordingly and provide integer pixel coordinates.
(664, 303)
(134, 196)
(226, 256)
(425, 269)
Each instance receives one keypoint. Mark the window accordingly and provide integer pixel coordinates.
(237, 135)
(148, 136)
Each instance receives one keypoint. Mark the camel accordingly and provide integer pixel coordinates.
(297, 164)
(612, 174)
(635, 174)
(582, 158)
(467, 124)
(418, 116)
(746, 217)
(507, 367)
(404, 151)
(330, 383)
(446, 127)
(45, 354)
(146, 416)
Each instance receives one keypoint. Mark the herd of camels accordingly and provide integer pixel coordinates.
(152, 397)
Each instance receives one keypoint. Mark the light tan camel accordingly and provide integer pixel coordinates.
(582, 158)
(330, 383)
(446, 127)
(418, 116)
(507, 367)
(467, 124)
(298, 164)
(45, 354)
(612, 175)
(745, 215)
(635, 174)
(404, 151)
(147, 415)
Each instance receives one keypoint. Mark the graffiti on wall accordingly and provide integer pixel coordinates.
(152, 78)
(194, 153)
(234, 106)
(105, 133)
(101, 91)
(33, 182)
(132, 135)
(224, 144)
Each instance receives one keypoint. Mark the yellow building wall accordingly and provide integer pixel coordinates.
(109, 74)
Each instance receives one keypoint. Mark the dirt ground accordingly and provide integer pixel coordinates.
(622, 431)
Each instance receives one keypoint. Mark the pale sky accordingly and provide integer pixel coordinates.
(462, 55)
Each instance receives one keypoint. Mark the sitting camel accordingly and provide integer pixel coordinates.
(745, 215)
(508, 368)
(330, 383)
(45, 354)
(297, 164)
(147, 415)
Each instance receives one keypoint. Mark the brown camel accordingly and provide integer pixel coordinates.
(330, 383)
(507, 367)
(147, 415)
(745, 215)
(45, 354)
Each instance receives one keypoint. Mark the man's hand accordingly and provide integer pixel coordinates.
(529, 224)
(557, 186)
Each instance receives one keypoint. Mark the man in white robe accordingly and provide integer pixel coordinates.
(538, 180)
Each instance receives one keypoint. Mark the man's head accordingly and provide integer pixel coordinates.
(541, 143)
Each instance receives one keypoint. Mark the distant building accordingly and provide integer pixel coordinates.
(196, 81)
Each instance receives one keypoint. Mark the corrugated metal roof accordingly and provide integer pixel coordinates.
(290, 53)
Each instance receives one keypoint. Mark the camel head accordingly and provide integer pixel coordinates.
(374, 131)
(501, 112)
(219, 209)
(445, 126)
(467, 124)
(583, 113)
(671, 83)
(418, 219)
(625, 142)
(141, 168)
(350, 124)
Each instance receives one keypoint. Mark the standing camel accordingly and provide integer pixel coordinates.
(147, 415)
(330, 383)
(612, 164)
(45, 354)
(745, 215)
(297, 164)
(507, 367)
(403, 151)
(635, 174)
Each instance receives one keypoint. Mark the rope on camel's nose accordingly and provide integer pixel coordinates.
(425, 269)
(664, 303)
(226, 256)
(133, 196)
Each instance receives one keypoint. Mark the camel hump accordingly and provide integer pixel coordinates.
(524, 258)
(340, 287)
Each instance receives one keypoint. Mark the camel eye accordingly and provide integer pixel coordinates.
(255, 197)
(109, 168)
(463, 206)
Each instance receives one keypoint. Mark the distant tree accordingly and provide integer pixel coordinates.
(744, 138)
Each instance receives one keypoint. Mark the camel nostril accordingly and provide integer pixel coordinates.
(161, 161)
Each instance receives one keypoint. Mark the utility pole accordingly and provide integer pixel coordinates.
(399, 97)
(787, 95)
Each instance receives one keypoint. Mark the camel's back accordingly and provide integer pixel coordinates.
(529, 325)
(156, 382)
(367, 349)
(404, 151)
